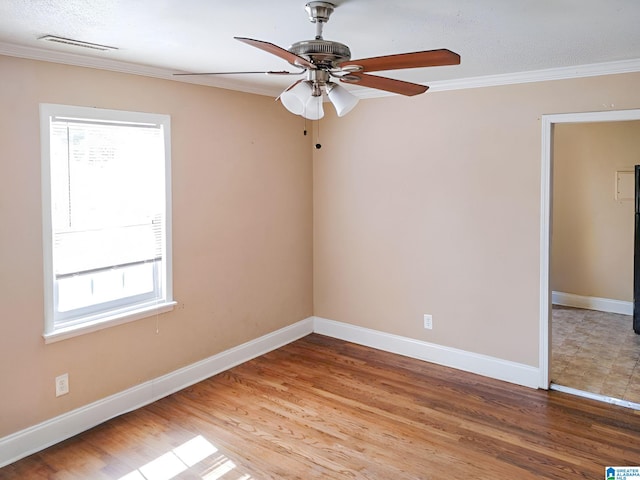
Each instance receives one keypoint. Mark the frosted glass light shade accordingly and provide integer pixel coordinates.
(342, 99)
(313, 109)
(295, 99)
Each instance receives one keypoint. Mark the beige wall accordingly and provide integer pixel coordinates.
(431, 204)
(428, 204)
(592, 243)
(242, 238)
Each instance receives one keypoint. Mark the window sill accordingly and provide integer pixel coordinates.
(64, 333)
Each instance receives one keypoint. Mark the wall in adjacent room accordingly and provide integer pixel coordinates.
(592, 243)
(431, 204)
(242, 235)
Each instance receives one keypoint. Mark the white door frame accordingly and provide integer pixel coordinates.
(548, 122)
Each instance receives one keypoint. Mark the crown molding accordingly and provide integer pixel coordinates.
(76, 60)
(560, 73)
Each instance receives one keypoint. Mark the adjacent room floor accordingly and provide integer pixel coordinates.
(596, 352)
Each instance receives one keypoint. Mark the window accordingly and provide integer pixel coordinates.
(106, 217)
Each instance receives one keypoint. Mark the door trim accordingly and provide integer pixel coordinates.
(548, 122)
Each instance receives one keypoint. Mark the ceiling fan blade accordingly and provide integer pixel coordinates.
(384, 83)
(428, 58)
(240, 73)
(278, 51)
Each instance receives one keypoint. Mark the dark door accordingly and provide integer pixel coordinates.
(636, 257)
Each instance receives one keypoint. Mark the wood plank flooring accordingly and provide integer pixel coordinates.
(324, 408)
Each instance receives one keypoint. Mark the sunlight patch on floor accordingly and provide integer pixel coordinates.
(181, 458)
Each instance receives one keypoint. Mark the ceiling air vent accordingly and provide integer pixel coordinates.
(77, 43)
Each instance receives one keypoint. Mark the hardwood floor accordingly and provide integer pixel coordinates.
(323, 408)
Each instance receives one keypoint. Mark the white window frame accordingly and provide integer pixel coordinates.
(118, 314)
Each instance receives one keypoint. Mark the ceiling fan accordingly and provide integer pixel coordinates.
(323, 60)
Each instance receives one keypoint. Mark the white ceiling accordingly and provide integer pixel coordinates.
(493, 37)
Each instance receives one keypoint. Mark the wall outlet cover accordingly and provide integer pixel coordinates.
(62, 384)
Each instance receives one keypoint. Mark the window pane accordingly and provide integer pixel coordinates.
(96, 287)
(108, 195)
(108, 213)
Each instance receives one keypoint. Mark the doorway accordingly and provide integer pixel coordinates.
(549, 123)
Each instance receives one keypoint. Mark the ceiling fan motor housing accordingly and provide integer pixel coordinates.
(323, 53)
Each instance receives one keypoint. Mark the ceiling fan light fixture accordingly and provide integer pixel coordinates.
(313, 109)
(343, 100)
(296, 98)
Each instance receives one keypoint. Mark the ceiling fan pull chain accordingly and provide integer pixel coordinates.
(318, 145)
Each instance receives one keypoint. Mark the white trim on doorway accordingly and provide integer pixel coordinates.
(548, 122)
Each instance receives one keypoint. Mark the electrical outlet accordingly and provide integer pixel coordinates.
(428, 321)
(62, 384)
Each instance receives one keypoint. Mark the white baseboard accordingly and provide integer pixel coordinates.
(462, 360)
(592, 303)
(50, 432)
